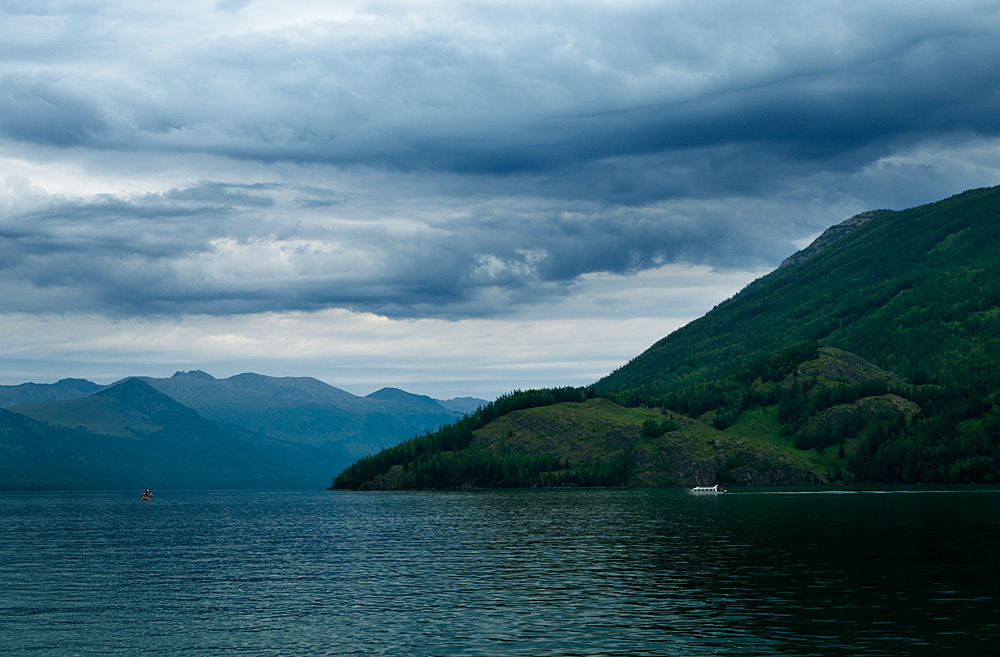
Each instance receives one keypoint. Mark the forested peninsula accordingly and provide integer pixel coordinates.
(871, 356)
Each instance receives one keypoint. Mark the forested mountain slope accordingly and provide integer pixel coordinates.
(915, 292)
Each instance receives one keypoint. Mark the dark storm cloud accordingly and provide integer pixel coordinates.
(809, 117)
(939, 84)
(485, 155)
(557, 96)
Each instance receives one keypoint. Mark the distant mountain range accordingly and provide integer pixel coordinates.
(31, 393)
(193, 430)
(873, 355)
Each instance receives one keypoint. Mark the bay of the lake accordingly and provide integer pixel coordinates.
(533, 572)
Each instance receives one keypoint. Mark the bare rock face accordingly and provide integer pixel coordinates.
(839, 365)
(667, 463)
(831, 235)
(621, 436)
(671, 463)
(851, 418)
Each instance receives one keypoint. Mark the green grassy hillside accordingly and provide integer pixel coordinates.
(592, 441)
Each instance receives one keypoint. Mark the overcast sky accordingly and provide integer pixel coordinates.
(455, 198)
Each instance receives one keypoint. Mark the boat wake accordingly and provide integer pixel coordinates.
(936, 491)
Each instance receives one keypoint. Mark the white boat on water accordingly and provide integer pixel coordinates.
(707, 490)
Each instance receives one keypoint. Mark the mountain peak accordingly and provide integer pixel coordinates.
(69, 381)
(401, 396)
(130, 408)
(33, 393)
(392, 393)
(132, 389)
(193, 374)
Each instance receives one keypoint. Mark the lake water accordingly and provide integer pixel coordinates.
(557, 572)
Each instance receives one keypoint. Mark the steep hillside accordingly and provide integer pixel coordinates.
(915, 292)
(831, 235)
(870, 356)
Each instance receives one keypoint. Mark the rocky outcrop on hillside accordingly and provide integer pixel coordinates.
(845, 367)
(831, 235)
(847, 420)
(668, 462)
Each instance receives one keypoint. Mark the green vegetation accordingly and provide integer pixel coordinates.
(413, 457)
(874, 358)
(570, 437)
(914, 292)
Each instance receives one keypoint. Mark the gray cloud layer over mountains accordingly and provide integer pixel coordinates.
(459, 160)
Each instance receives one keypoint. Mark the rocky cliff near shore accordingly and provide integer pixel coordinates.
(669, 463)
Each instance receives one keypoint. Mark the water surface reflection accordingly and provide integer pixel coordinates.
(587, 572)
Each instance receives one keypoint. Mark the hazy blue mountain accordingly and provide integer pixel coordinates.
(287, 389)
(308, 411)
(35, 456)
(132, 436)
(464, 405)
(294, 409)
(30, 393)
(299, 429)
(402, 399)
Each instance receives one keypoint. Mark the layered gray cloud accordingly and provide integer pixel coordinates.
(220, 249)
(460, 160)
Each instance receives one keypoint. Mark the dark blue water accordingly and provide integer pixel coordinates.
(587, 572)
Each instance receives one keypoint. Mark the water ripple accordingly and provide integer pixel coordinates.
(541, 573)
